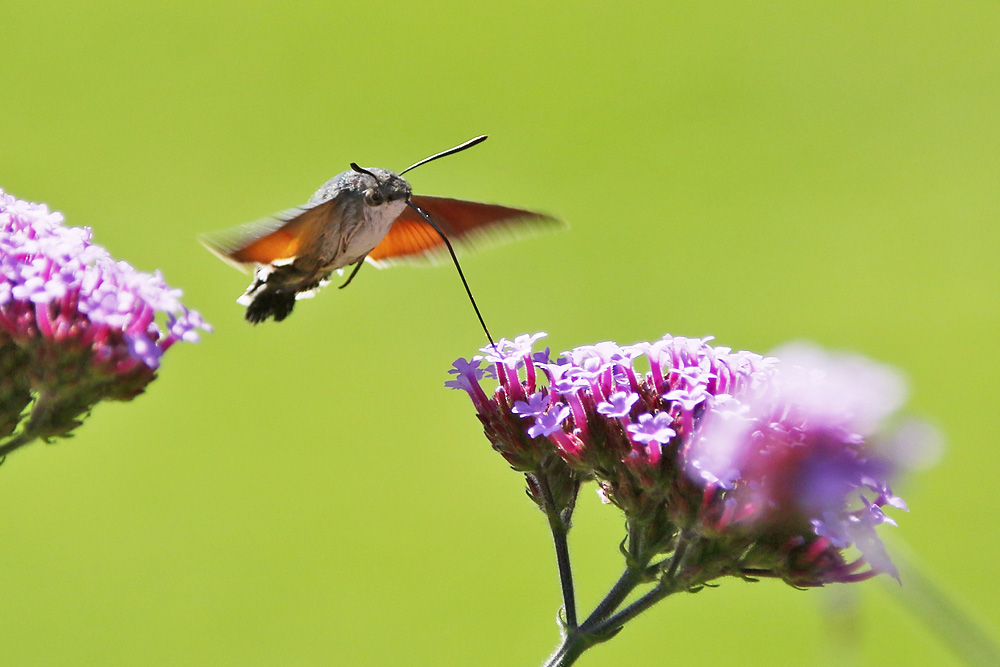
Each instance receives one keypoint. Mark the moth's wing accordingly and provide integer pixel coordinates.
(469, 226)
(273, 239)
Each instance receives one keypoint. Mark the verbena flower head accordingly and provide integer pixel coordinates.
(76, 326)
(767, 466)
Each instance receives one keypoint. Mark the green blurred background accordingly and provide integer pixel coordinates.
(309, 493)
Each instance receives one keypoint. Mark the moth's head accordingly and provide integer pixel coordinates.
(381, 186)
(374, 187)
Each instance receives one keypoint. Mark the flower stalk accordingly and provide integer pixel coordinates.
(559, 524)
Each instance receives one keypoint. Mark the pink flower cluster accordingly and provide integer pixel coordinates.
(768, 467)
(76, 326)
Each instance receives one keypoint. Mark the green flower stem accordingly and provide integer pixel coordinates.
(631, 577)
(616, 622)
(565, 572)
(603, 624)
(36, 426)
(668, 585)
(597, 629)
(560, 531)
(626, 584)
(18, 441)
(572, 647)
(576, 640)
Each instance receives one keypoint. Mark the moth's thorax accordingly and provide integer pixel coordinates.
(360, 226)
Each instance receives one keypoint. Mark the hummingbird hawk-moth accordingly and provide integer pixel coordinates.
(361, 215)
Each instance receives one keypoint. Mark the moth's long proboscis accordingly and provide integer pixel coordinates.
(458, 266)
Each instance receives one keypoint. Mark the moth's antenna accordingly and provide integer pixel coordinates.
(362, 170)
(452, 250)
(468, 144)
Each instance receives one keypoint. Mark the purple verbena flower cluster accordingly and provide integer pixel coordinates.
(764, 468)
(76, 326)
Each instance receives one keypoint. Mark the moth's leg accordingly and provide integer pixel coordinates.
(357, 267)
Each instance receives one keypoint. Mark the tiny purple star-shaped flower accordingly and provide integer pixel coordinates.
(542, 357)
(536, 405)
(548, 423)
(618, 404)
(688, 399)
(185, 326)
(511, 353)
(461, 382)
(468, 367)
(522, 344)
(652, 428)
(568, 385)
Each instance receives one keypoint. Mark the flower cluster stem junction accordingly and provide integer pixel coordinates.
(603, 623)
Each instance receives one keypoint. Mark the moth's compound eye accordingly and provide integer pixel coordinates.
(373, 197)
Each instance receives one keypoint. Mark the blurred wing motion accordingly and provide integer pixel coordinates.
(273, 239)
(469, 225)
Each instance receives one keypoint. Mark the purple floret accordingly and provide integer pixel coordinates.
(618, 404)
(652, 429)
(536, 405)
(548, 423)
